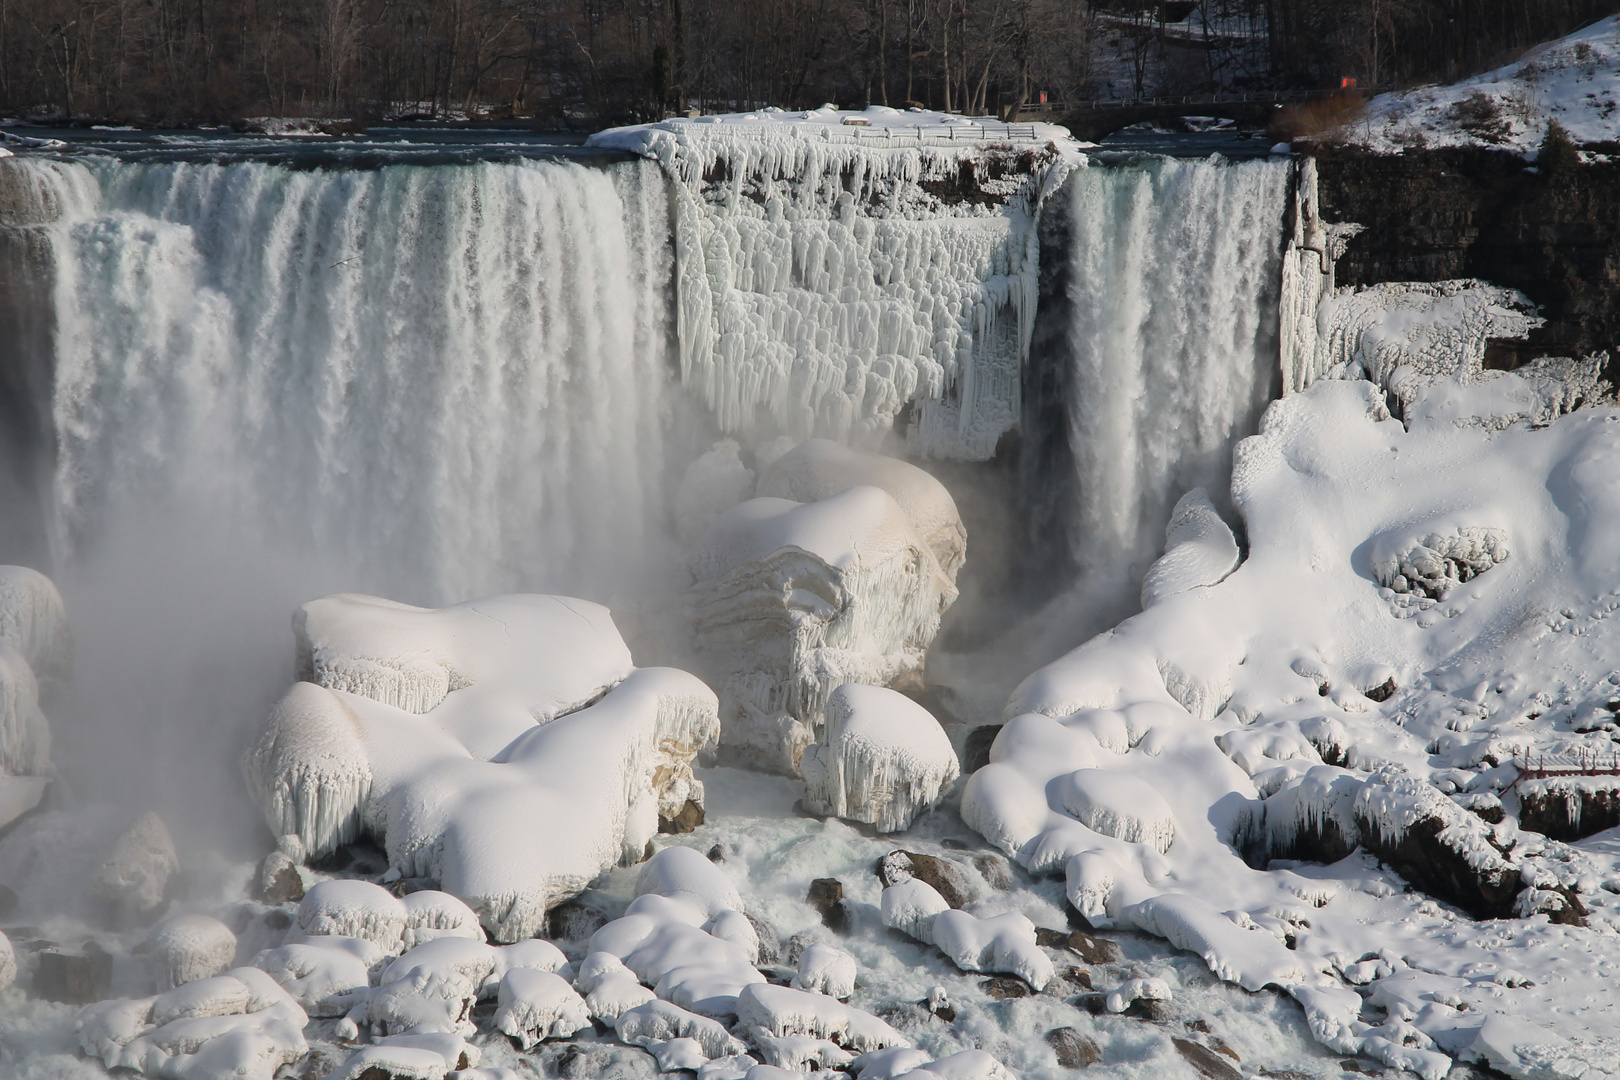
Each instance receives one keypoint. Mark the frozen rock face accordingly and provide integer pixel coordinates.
(1199, 550)
(440, 731)
(35, 656)
(822, 285)
(133, 882)
(190, 947)
(817, 469)
(794, 599)
(882, 759)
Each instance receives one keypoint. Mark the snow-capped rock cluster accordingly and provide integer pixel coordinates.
(837, 573)
(439, 732)
(882, 759)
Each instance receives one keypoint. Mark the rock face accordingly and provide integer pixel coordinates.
(1569, 808)
(448, 733)
(795, 599)
(1444, 214)
(882, 759)
(135, 878)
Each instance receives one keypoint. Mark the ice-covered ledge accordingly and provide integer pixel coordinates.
(834, 266)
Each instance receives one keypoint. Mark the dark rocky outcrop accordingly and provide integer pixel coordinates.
(976, 750)
(1433, 215)
(827, 897)
(949, 881)
(1209, 1062)
(1074, 1050)
(687, 818)
(74, 978)
(1569, 809)
(1429, 857)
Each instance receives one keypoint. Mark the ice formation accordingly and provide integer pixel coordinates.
(240, 1024)
(793, 599)
(35, 655)
(882, 759)
(1199, 550)
(513, 719)
(823, 284)
(185, 948)
(1228, 699)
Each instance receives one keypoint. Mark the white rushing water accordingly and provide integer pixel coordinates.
(1173, 277)
(439, 381)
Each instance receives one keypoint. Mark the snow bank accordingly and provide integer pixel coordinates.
(1300, 707)
(823, 285)
(793, 599)
(882, 759)
(1571, 80)
(439, 729)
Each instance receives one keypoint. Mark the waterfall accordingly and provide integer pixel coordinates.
(1171, 342)
(441, 381)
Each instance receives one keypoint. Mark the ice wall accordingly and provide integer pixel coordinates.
(444, 380)
(1172, 343)
(834, 268)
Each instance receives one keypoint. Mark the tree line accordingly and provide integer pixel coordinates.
(586, 63)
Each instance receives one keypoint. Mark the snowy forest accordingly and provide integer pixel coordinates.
(583, 63)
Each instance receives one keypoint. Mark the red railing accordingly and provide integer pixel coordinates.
(1586, 763)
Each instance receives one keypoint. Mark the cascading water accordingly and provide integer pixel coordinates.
(445, 381)
(1171, 342)
(429, 383)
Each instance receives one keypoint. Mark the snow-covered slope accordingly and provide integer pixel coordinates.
(1574, 80)
(1317, 654)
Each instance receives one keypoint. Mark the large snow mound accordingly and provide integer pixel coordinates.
(826, 278)
(794, 599)
(883, 759)
(1226, 701)
(528, 731)
(1199, 550)
(1574, 80)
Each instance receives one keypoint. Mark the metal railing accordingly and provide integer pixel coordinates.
(1586, 763)
(970, 132)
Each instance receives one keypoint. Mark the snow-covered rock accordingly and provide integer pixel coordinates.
(240, 1024)
(882, 759)
(660, 1021)
(910, 907)
(185, 948)
(538, 1005)
(817, 469)
(436, 730)
(609, 987)
(777, 1012)
(359, 909)
(8, 962)
(134, 879)
(1118, 805)
(1004, 943)
(684, 934)
(826, 969)
(1199, 550)
(794, 599)
(33, 620)
(323, 976)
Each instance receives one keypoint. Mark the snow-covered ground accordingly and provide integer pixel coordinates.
(1574, 80)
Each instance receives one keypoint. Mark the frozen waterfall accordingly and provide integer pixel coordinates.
(1171, 343)
(444, 381)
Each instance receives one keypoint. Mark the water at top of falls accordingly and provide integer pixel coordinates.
(428, 383)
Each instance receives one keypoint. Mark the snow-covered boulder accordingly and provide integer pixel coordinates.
(882, 759)
(323, 976)
(185, 948)
(660, 1021)
(794, 599)
(909, 906)
(359, 909)
(685, 934)
(826, 969)
(538, 1005)
(8, 962)
(1116, 804)
(431, 914)
(438, 731)
(609, 987)
(133, 881)
(785, 1012)
(1001, 943)
(33, 620)
(1199, 550)
(240, 1024)
(817, 469)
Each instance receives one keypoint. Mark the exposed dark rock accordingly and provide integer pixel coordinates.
(1437, 215)
(1207, 1061)
(995, 870)
(1001, 987)
(976, 749)
(827, 896)
(1069, 983)
(1095, 950)
(1051, 939)
(1074, 1050)
(1157, 1011)
(717, 854)
(1559, 904)
(1425, 858)
(1322, 841)
(8, 902)
(572, 920)
(1382, 692)
(73, 978)
(1568, 809)
(277, 920)
(689, 817)
(278, 880)
(946, 879)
